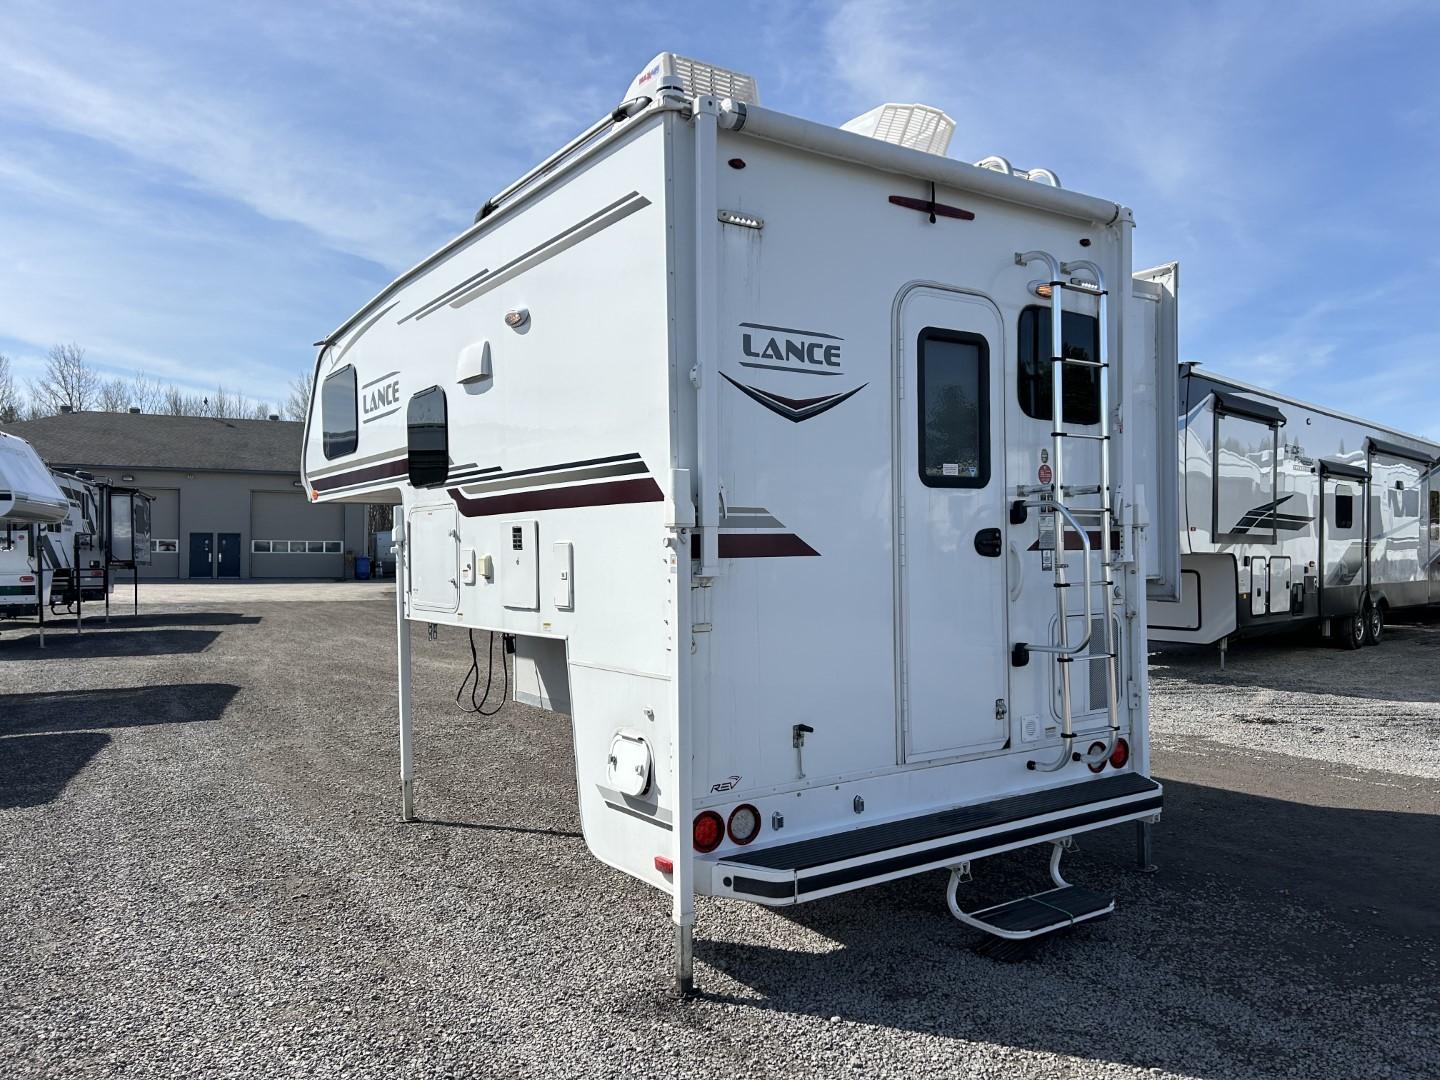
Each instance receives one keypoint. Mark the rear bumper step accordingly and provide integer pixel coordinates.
(786, 874)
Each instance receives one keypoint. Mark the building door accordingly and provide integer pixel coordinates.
(202, 555)
(953, 623)
(228, 563)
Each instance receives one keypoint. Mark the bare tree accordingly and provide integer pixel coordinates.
(146, 394)
(11, 407)
(68, 379)
(114, 396)
(297, 405)
(175, 402)
(259, 410)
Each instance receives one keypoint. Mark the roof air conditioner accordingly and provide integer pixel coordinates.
(692, 77)
(920, 127)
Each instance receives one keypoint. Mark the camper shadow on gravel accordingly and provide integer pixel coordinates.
(1293, 663)
(100, 641)
(1253, 950)
(47, 738)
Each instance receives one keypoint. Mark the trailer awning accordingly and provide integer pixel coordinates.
(1234, 405)
(1343, 470)
(1390, 449)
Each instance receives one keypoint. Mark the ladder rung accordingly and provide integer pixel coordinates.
(1087, 657)
(1088, 290)
(1077, 361)
(1078, 435)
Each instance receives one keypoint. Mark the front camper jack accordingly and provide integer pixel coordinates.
(780, 518)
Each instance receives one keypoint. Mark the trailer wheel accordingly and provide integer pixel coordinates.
(1374, 624)
(1352, 630)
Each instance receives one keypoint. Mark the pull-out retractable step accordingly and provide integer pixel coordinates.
(1031, 916)
(783, 874)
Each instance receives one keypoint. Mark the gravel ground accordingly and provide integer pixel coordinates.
(203, 876)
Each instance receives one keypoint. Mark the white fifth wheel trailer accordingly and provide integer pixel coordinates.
(1296, 516)
(742, 428)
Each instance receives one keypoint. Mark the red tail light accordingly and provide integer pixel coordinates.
(1121, 754)
(709, 831)
(1093, 761)
(744, 823)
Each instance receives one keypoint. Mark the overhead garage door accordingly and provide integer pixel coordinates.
(291, 537)
(164, 534)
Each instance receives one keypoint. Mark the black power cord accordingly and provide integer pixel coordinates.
(479, 707)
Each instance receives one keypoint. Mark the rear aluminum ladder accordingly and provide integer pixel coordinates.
(1051, 497)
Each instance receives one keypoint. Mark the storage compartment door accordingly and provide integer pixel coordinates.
(1279, 585)
(433, 559)
(1150, 404)
(1259, 585)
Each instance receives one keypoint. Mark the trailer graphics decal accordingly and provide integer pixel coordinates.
(752, 532)
(608, 481)
(1267, 517)
(793, 409)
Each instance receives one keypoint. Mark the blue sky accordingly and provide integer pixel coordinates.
(201, 191)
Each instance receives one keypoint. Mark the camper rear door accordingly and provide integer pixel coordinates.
(953, 584)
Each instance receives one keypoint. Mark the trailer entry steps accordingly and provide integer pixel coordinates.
(1042, 913)
(823, 865)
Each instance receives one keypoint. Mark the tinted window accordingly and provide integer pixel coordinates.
(954, 409)
(1344, 511)
(429, 442)
(1081, 384)
(338, 413)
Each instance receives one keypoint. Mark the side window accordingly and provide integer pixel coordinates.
(1081, 384)
(428, 437)
(1435, 503)
(1344, 511)
(954, 402)
(338, 413)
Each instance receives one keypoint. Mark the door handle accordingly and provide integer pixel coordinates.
(987, 543)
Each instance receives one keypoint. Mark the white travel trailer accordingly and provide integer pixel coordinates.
(1293, 515)
(29, 500)
(741, 427)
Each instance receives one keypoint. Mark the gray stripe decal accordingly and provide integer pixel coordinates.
(792, 367)
(624, 468)
(346, 466)
(377, 416)
(382, 378)
(478, 284)
(359, 331)
(750, 521)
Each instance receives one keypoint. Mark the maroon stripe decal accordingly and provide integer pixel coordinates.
(613, 493)
(383, 471)
(756, 546)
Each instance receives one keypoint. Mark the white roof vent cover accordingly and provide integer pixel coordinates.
(920, 127)
(694, 77)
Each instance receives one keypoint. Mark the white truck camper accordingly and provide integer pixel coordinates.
(742, 429)
(30, 501)
(1294, 516)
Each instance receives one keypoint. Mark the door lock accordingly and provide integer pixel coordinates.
(988, 543)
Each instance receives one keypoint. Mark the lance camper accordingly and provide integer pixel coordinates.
(1294, 516)
(743, 429)
(30, 501)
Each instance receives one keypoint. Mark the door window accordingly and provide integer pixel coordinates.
(428, 438)
(1344, 511)
(953, 375)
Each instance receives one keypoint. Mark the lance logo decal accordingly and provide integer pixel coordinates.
(794, 409)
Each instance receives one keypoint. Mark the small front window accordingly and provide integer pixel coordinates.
(953, 393)
(427, 424)
(1344, 511)
(1081, 384)
(338, 413)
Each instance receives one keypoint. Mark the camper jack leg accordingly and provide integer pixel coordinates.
(685, 959)
(1143, 861)
(402, 639)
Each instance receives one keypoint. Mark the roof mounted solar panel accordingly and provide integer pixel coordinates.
(919, 127)
(693, 77)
